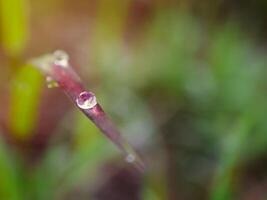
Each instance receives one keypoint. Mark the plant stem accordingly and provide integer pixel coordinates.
(57, 68)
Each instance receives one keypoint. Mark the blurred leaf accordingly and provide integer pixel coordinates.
(155, 187)
(47, 175)
(14, 18)
(63, 169)
(24, 101)
(10, 183)
(168, 51)
(90, 150)
(230, 156)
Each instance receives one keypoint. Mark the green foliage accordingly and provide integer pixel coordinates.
(223, 86)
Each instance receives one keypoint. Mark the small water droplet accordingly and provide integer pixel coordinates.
(130, 158)
(61, 58)
(51, 83)
(86, 100)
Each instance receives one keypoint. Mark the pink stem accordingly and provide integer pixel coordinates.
(71, 84)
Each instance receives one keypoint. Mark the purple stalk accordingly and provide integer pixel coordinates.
(60, 74)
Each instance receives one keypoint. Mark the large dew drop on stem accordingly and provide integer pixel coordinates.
(86, 100)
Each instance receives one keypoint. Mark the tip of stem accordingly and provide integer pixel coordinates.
(46, 62)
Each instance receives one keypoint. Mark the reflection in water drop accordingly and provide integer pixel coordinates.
(86, 100)
(51, 83)
(61, 58)
(130, 158)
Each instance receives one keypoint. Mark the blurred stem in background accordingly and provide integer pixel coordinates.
(110, 20)
(25, 94)
(26, 87)
(14, 25)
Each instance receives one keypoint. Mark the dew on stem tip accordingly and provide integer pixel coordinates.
(61, 58)
(86, 100)
(51, 83)
(130, 158)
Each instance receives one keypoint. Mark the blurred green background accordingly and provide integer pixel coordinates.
(184, 80)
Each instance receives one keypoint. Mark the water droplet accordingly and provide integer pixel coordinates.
(86, 100)
(61, 58)
(51, 83)
(130, 158)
